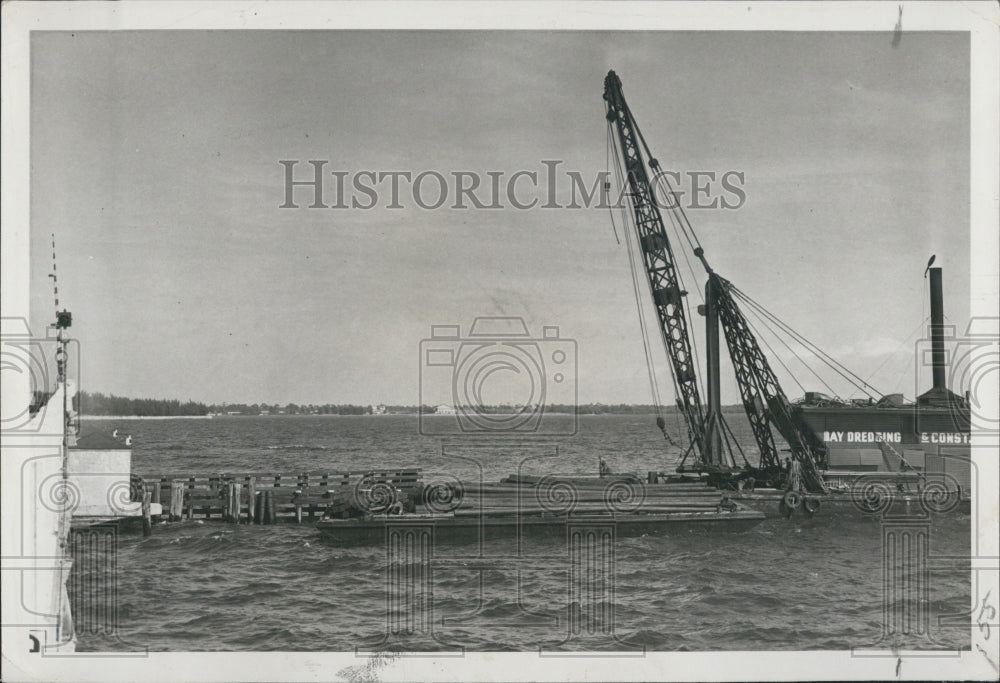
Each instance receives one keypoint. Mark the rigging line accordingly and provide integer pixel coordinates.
(735, 441)
(646, 346)
(694, 275)
(663, 333)
(689, 419)
(677, 213)
(896, 350)
(54, 276)
(822, 355)
(677, 229)
(906, 367)
(642, 139)
(727, 432)
(607, 183)
(687, 305)
(694, 347)
(629, 218)
(778, 357)
(679, 219)
(728, 453)
(833, 362)
(804, 364)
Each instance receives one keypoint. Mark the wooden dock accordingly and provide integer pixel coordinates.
(261, 497)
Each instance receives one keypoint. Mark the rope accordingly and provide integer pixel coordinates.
(835, 365)
(646, 347)
(896, 350)
(676, 207)
(607, 170)
(775, 355)
(736, 441)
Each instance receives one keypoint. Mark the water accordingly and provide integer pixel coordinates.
(208, 586)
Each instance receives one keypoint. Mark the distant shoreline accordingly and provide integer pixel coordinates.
(147, 417)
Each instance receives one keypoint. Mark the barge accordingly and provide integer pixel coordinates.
(868, 450)
(550, 506)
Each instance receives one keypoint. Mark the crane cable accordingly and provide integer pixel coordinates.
(676, 207)
(834, 364)
(764, 316)
(678, 226)
(777, 357)
(693, 241)
(607, 185)
(896, 350)
(646, 346)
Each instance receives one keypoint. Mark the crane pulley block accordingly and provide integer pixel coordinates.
(669, 296)
(653, 243)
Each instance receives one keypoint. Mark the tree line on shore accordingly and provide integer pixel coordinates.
(97, 404)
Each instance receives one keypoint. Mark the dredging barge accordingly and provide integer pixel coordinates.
(864, 452)
(535, 506)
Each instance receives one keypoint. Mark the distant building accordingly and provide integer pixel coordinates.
(380, 409)
(445, 409)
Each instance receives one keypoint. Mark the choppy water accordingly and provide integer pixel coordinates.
(196, 585)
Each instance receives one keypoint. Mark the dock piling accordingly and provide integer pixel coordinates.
(269, 507)
(147, 522)
(155, 519)
(176, 500)
(232, 513)
(251, 499)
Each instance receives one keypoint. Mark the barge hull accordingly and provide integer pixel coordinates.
(449, 528)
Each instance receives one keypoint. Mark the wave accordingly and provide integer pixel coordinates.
(295, 447)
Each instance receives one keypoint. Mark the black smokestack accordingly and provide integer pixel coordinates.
(937, 329)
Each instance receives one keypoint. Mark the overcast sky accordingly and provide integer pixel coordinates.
(155, 160)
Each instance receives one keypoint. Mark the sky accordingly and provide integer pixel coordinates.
(155, 161)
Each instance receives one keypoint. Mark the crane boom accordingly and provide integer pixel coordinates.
(764, 401)
(658, 258)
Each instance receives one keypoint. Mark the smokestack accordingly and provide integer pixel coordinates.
(937, 329)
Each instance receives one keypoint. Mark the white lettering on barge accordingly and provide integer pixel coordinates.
(863, 437)
(944, 437)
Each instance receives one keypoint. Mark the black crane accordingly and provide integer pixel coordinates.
(764, 401)
(658, 257)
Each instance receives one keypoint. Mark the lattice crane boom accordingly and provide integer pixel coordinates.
(658, 258)
(764, 400)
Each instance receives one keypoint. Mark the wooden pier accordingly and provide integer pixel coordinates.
(261, 497)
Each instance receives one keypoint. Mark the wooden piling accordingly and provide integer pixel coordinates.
(258, 508)
(251, 498)
(269, 507)
(155, 499)
(147, 522)
(237, 497)
(298, 514)
(176, 500)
